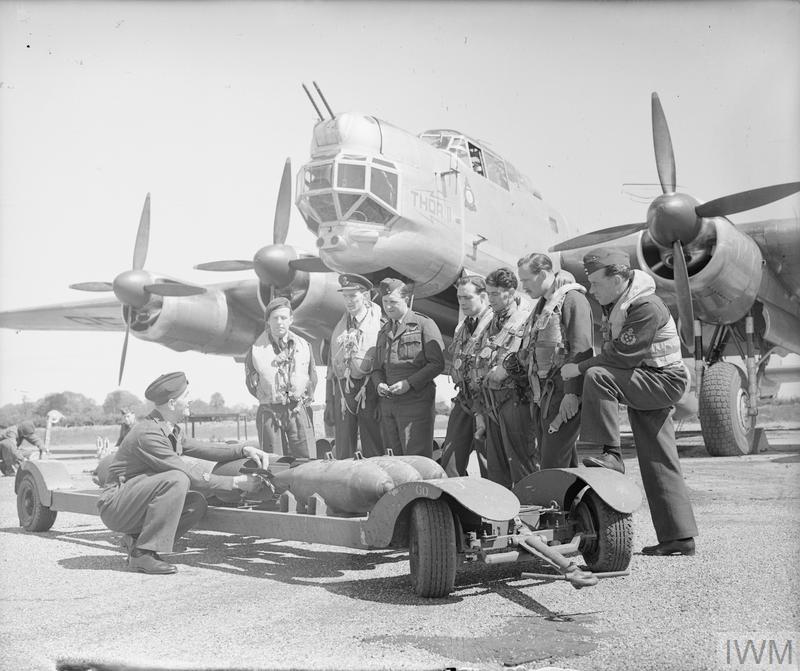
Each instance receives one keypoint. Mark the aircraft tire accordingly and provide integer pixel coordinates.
(432, 548)
(33, 514)
(727, 428)
(612, 547)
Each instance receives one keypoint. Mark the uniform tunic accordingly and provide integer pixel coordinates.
(413, 352)
(638, 366)
(147, 489)
(11, 449)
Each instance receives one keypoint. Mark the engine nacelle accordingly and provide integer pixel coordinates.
(725, 287)
(204, 323)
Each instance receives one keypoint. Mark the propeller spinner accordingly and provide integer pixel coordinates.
(135, 287)
(675, 220)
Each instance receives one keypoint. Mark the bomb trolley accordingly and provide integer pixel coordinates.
(555, 514)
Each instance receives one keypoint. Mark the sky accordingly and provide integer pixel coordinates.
(200, 104)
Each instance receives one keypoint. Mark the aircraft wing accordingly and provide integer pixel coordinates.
(99, 315)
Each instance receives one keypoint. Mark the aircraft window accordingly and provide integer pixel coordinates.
(318, 177)
(384, 185)
(370, 211)
(554, 224)
(346, 201)
(513, 175)
(459, 147)
(380, 162)
(475, 159)
(350, 157)
(496, 169)
(351, 176)
(324, 207)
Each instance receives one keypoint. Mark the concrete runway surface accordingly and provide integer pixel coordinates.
(240, 602)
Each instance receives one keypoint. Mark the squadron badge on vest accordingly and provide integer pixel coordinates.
(627, 337)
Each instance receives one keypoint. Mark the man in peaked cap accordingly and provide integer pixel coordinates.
(351, 402)
(640, 366)
(281, 373)
(149, 492)
(408, 357)
(11, 450)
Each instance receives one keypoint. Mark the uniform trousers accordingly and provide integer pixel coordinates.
(157, 507)
(556, 450)
(509, 452)
(460, 442)
(286, 429)
(407, 422)
(357, 421)
(650, 394)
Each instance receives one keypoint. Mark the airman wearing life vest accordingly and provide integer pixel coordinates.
(280, 372)
(558, 331)
(639, 366)
(509, 451)
(352, 403)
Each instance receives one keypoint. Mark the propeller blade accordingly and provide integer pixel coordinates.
(598, 237)
(662, 144)
(171, 288)
(746, 200)
(92, 286)
(283, 208)
(684, 295)
(310, 264)
(124, 350)
(226, 266)
(142, 237)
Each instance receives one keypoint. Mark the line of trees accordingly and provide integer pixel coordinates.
(80, 410)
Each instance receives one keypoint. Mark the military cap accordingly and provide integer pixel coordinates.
(165, 387)
(389, 285)
(26, 428)
(352, 281)
(603, 257)
(275, 303)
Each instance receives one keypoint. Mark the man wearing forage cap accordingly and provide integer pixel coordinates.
(408, 356)
(351, 403)
(11, 450)
(640, 366)
(280, 372)
(149, 494)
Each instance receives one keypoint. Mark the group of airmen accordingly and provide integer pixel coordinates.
(530, 390)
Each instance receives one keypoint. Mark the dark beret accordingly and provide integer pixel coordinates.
(167, 386)
(275, 303)
(352, 281)
(26, 428)
(603, 257)
(389, 285)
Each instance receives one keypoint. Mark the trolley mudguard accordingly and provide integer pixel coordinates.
(482, 497)
(553, 484)
(48, 475)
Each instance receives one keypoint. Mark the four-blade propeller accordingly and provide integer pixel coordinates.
(675, 219)
(134, 288)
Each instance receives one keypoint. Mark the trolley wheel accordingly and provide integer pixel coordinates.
(612, 545)
(432, 548)
(727, 427)
(33, 514)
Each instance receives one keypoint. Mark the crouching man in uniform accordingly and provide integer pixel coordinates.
(147, 495)
(12, 453)
(352, 402)
(466, 428)
(280, 372)
(408, 356)
(640, 366)
(559, 331)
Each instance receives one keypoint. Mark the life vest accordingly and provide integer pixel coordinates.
(494, 348)
(353, 350)
(666, 346)
(462, 348)
(544, 343)
(283, 376)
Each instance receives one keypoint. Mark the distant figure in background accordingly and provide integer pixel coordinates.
(351, 402)
(128, 420)
(409, 355)
(11, 449)
(280, 372)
